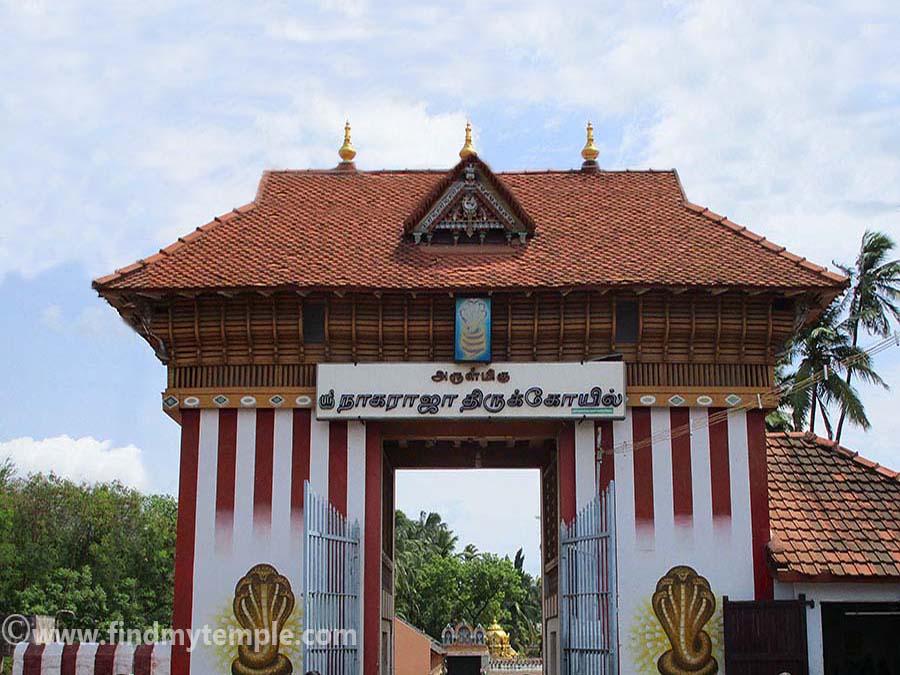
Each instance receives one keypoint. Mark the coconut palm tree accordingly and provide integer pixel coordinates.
(873, 299)
(822, 351)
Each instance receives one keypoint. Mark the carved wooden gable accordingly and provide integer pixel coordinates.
(471, 205)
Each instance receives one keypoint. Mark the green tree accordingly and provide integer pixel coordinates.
(106, 552)
(67, 589)
(822, 351)
(526, 613)
(435, 585)
(9, 554)
(873, 299)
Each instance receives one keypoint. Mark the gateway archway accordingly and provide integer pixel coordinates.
(454, 447)
(436, 283)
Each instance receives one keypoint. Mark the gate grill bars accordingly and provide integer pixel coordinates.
(331, 588)
(587, 585)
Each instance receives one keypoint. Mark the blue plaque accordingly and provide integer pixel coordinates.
(473, 329)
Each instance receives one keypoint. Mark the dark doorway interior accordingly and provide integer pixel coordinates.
(861, 638)
(463, 665)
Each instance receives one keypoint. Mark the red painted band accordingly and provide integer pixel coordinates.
(299, 461)
(607, 460)
(337, 466)
(185, 536)
(720, 473)
(567, 473)
(226, 467)
(682, 486)
(264, 469)
(31, 662)
(69, 660)
(759, 503)
(143, 658)
(373, 537)
(105, 660)
(643, 466)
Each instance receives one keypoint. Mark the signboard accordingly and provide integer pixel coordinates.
(455, 391)
(473, 329)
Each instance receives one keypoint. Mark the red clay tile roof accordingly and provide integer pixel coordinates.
(833, 513)
(331, 229)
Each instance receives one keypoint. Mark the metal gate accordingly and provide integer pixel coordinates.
(331, 585)
(765, 636)
(587, 587)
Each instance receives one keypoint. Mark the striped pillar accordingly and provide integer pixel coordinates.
(689, 491)
(241, 504)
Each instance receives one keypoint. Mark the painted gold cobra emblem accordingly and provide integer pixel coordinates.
(263, 601)
(473, 331)
(683, 603)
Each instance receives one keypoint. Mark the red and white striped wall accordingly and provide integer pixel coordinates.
(241, 504)
(698, 499)
(91, 659)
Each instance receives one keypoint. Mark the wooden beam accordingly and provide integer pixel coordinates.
(197, 350)
(405, 327)
(301, 347)
(440, 429)
(223, 333)
(353, 327)
(509, 337)
(587, 325)
(431, 327)
(446, 455)
(562, 326)
(248, 329)
(275, 340)
(327, 328)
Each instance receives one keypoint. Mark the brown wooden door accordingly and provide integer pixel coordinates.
(766, 637)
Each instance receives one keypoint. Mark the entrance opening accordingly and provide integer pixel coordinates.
(464, 665)
(861, 637)
(458, 599)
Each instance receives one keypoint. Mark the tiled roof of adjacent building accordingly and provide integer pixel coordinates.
(345, 229)
(833, 513)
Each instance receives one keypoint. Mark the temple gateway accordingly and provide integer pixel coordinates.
(595, 325)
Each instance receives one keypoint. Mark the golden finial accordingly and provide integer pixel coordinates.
(590, 153)
(347, 151)
(468, 148)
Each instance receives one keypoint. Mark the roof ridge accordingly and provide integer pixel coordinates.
(782, 251)
(507, 172)
(832, 445)
(792, 273)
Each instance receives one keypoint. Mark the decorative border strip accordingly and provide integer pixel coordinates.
(703, 397)
(176, 400)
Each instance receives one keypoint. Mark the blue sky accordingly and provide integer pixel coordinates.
(124, 125)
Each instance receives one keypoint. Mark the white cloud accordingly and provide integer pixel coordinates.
(79, 459)
(781, 116)
(51, 317)
(130, 124)
(92, 321)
